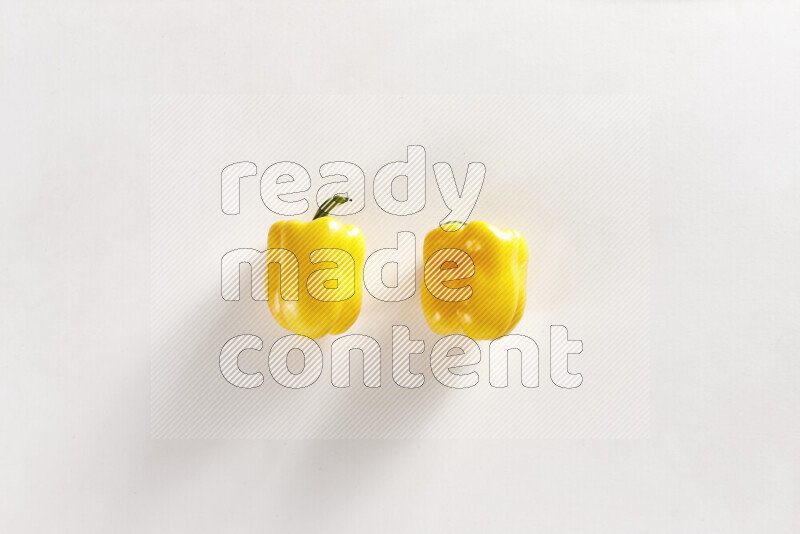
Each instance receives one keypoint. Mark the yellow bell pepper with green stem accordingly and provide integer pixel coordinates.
(331, 260)
(475, 279)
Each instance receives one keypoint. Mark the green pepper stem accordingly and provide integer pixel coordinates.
(459, 223)
(329, 204)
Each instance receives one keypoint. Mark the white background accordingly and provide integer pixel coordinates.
(76, 80)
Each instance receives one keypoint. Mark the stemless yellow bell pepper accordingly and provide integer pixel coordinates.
(475, 279)
(331, 260)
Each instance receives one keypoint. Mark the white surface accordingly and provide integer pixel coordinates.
(74, 389)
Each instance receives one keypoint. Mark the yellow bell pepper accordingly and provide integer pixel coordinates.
(331, 260)
(475, 279)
